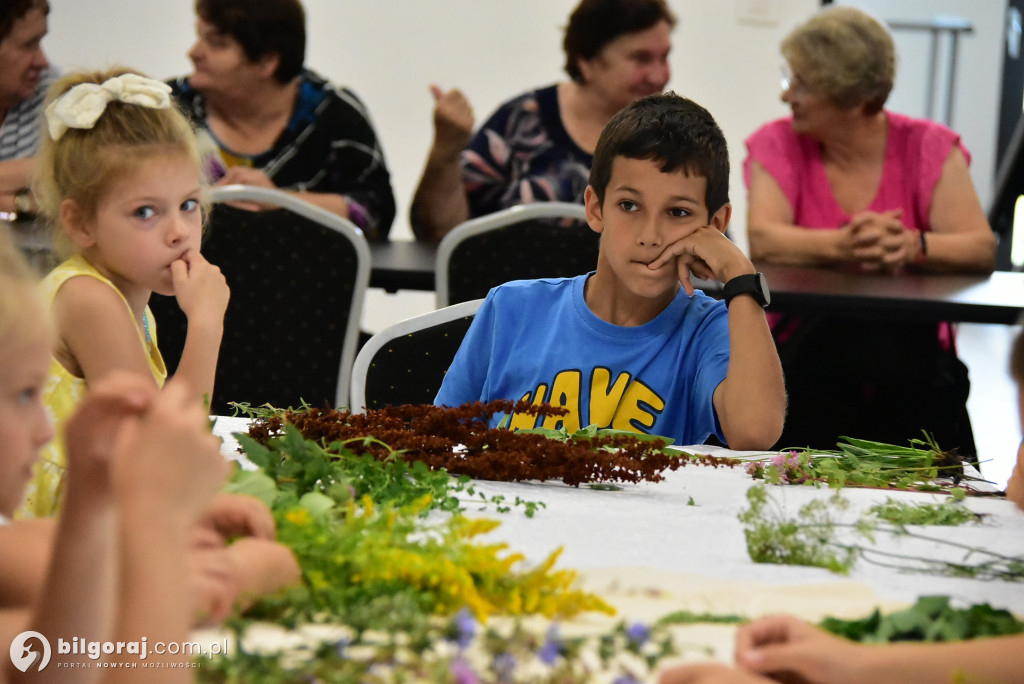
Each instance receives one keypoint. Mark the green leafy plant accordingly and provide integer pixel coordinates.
(949, 513)
(812, 537)
(931, 618)
(864, 463)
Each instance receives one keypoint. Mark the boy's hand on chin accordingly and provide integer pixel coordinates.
(707, 254)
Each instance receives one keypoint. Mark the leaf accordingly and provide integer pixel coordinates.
(253, 483)
(316, 503)
(254, 451)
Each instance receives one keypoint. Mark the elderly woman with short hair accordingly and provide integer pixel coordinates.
(878, 188)
(845, 183)
(538, 147)
(278, 124)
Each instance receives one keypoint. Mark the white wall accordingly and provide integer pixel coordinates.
(388, 51)
(978, 83)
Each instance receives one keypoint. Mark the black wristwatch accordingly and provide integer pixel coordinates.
(753, 284)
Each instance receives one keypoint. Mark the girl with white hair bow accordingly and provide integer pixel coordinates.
(120, 177)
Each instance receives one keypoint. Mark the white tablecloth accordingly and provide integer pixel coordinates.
(649, 532)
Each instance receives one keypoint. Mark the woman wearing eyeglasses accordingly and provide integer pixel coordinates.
(845, 183)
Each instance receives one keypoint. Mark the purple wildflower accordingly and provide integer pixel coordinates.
(505, 667)
(626, 679)
(465, 628)
(552, 647)
(638, 634)
(463, 673)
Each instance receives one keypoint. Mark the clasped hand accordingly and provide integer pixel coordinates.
(880, 241)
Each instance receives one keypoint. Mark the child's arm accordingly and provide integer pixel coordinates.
(202, 294)
(751, 401)
(786, 644)
(1015, 486)
(25, 548)
(77, 597)
(166, 467)
(97, 333)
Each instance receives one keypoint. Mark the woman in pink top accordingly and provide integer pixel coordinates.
(846, 184)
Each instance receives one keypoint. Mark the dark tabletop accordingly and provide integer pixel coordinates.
(997, 298)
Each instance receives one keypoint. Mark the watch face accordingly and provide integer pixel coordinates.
(762, 285)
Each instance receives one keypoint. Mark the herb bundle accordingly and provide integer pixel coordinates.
(460, 441)
(863, 463)
(813, 538)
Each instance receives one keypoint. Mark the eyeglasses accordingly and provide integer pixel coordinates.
(791, 82)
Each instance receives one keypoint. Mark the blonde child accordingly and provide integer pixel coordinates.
(143, 468)
(119, 173)
(140, 510)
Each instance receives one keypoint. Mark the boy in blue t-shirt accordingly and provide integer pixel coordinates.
(632, 345)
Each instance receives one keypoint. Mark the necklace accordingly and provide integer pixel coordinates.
(145, 329)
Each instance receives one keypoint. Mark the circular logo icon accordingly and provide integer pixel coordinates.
(24, 657)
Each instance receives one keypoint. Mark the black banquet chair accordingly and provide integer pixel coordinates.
(405, 363)
(298, 275)
(539, 240)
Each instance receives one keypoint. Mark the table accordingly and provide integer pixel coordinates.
(650, 533)
(402, 265)
(996, 298)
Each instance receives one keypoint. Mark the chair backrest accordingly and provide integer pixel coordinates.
(538, 240)
(405, 363)
(298, 276)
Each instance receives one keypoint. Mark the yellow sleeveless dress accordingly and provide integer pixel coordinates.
(64, 391)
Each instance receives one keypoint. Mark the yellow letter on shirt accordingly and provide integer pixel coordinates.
(565, 393)
(604, 400)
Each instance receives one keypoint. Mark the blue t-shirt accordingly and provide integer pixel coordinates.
(538, 341)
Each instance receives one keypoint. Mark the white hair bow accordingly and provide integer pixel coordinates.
(82, 105)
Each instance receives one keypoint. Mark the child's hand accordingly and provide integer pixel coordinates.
(91, 430)
(213, 577)
(200, 288)
(710, 673)
(1015, 487)
(165, 462)
(237, 515)
(785, 644)
(707, 254)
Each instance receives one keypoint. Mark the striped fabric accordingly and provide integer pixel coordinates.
(19, 132)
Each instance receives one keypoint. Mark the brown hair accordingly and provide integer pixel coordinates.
(84, 163)
(676, 133)
(261, 28)
(595, 23)
(13, 10)
(844, 55)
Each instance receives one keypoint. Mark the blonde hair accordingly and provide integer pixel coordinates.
(19, 295)
(844, 55)
(84, 163)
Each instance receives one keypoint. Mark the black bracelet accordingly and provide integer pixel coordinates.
(924, 246)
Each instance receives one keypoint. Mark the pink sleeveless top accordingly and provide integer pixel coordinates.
(915, 151)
